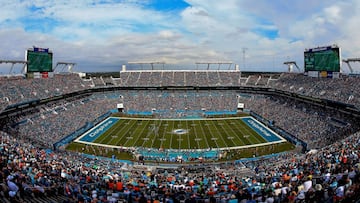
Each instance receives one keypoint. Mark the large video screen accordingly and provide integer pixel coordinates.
(39, 60)
(322, 59)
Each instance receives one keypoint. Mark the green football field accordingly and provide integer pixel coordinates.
(220, 133)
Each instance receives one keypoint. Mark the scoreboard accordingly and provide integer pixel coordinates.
(39, 60)
(322, 59)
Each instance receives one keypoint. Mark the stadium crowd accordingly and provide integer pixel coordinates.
(18, 89)
(59, 119)
(336, 89)
(316, 126)
(179, 78)
(329, 174)
(179, 103)
(332, 174)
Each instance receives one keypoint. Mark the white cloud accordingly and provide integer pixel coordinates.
(109, 32)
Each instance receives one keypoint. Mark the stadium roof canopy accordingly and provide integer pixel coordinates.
(151, 63)
(347, 61)
(219, 63)
(64, 65)
(13, 63)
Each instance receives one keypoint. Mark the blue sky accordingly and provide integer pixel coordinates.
(101, 35)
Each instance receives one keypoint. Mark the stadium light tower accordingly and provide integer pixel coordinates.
(244, 49)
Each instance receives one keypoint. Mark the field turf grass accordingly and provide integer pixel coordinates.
(224, 133)
(180, 134)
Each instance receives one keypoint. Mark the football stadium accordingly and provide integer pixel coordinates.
(201, 135)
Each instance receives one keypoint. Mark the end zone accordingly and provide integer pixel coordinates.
(262, 130)
(98, 130)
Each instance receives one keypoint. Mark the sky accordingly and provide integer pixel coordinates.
(102, 35)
